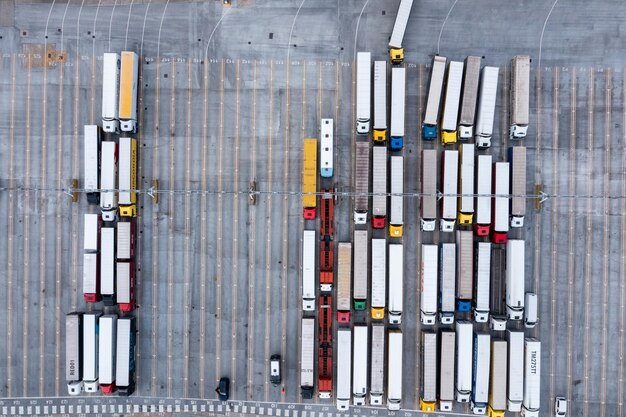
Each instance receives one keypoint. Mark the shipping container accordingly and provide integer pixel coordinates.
(108, 174)
(398, 91)
(451, 102)
(464, 361)
(327, 146)
(481, 290)
(363, 92)
(344, 268)
(515, 393)
(469, 96)
(380, 101)
(378, 364)
(397, 198)
(515, 278)
(532, 377)
(379, 279)
(106, 352)
(396, 283)
(360, 270)
(480, 380)
(379, 187)
(449, 173)
(428, 285)
(447, 284)
(308, 270)
(73, 353)
(486, 106)
(128, 177)
(519, 92)
(107, 266)
(396, 52)
(344, 368)
(446, 366)
(483, 191)
(394, 370)
(429, 190)
(464, 270)
(428, 397)
(125, 356)
(359, 367)
(111, 64)
(309, 179)
(433, 100)
(361, 182)
(90, 350)
(500, 208)
(129, 75)
(497, 383)
(91, 165)
(307, 350)
(517, 159)
(466, 184)
(498, 289)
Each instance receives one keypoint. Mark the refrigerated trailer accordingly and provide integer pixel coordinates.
(129, 75)
(464, 270)
(326, 148)
(450, 170)
(111, 64)
(483, 191)
(91, 277)
(429, 190)
(307, 351)
(308, 270)
(515, 276)
(466, 184)
(394, 370)
(480, 381)
(90, 350)
(360, 270)
(497, 384)
(380, 101)
(73, 353)
(520, 88)
(344, 368)
(428, 397)
(433, 100)
(91, 233)
(515, 391)
(361, 182)
(497, 303)
(91, 167)
(378, 364)
(363, 92)
(397, 200)
(481, 291)
(469, 95)
(500, 208)
(446, 367)
(107, 265)
(447, 284)
(451, 102)
(106, 352)
(379, 187)
(379, 279)
(344, 268)
(359, 365)
(396, 51)
(128, 177)
(517, 159)
(125, 356)
(126, 240)
(125, 285)
(428, 285)
(532, 377)
(464, 354)
(396, 282)
(398, 89)
(486, 106)
(309, 179)
(108, 177)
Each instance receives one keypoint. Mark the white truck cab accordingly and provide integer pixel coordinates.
(560, 407)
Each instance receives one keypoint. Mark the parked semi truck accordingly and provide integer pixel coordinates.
(126, 271)
(379, 187)
(464, 270)
(91, 343)
(428, 398)
(451, 102)
(327, 145)
(394, 370)
(308, 270)
(500, 209)
(398, 89)
(480, 383)
(428, 285)
(378, 364)
(464, 352)
(344, 368)
(396, 51)
(447, 285)
(433, 100)
(517, 159)
(484, 167)
(532, 377)
(469, 96)
(91, 167)
(515, 392)
(380, 101)
(363, 92)
(344, 267)
(497, 383)
(361, 182)
(307, 350)
(397, 200)
(481, 290)
(125, 356)
(486, 106)
(520, 88)
(396, 283)
(106, 352)
(309, 179)
(359, 367)
(107, 266)
(126, 239)
(446, 367)
(73, 353)
(111, 64)
(108, 177)
(91, 257)
(515, 276)
(128, 177)
(429, 190)
(450, 165)
(325, 351)
(466, 184)
(128, 91)
(498, 289)
(379, 280)
(360, 270)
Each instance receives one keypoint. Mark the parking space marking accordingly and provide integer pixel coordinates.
(203, 231)
(187, 255)
(10, 232)
(170, 232)
(218, 243)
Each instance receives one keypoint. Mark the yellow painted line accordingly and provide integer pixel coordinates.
(170, 232)
(187, 271)
(218, 246)
(203, 237)
(10, 230)
(235, 234)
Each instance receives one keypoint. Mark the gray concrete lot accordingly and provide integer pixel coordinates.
(218, 287)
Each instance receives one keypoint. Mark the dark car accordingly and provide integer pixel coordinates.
(223, 389)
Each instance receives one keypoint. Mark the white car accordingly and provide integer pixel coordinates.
(560, 407)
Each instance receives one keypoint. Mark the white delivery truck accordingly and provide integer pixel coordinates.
(397, 199)
(486, 106)
(451, 102)
(111, 65)
(466, 184)
(307, 359)
(394, 370)
(520, 88)
(449, 181)
(129, 75)
(108, 177)
(90, 350)
(73, 353)
(483, 190)
(361, 182)
(532, 377)
(344, 368)
(516, 370)
(428, 285)
(125, 355)
(359, 365)
(106, 352)
(497, 383)
(468, 97)
(396, 52)
(428, 399)
(447, 285)
(91, 167)
(530, 310)
(480, 383)
(344, 273)
(481, 293)
(517, 159)
(360, 270)
(363, 92)
(398, 91)
(380, 101)
(515, 276)
(107, 265)
(429, 190)
(446, 366)
(396, 283)
(433, 100)
(500, 212)
(464, 351)
(308, 270)
(378, 364)
(464, 270)
(379, 279)
(498, 289)
(327, 147)
(379, 186)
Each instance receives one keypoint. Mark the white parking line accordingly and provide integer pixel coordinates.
(170, 233)
(218, 245)
(11, 232)
(203, 231)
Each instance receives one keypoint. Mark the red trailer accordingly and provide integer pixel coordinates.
(325, 351)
